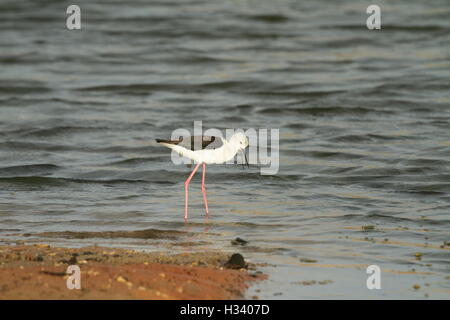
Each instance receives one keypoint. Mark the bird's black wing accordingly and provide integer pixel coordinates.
(195, 143)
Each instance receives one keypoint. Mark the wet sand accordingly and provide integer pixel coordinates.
(39, 272)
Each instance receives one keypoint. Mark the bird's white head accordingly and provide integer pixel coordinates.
(239, 140)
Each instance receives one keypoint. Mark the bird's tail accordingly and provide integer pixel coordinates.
(167, 141)
(173, 144)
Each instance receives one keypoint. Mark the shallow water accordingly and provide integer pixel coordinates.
(364, 125)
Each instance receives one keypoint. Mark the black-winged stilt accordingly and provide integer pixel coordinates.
(206, 150)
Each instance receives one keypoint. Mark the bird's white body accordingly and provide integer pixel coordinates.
(213, 156)
(209, 156)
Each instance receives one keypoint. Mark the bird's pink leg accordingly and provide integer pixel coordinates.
(186, 185)
(203, 188)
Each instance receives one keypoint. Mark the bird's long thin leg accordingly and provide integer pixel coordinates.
(204, 189)
(186, 186)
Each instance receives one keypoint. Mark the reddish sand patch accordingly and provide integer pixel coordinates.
(38, 272)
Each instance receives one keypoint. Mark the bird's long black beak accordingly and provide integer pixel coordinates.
(246, 161)
(245, 157)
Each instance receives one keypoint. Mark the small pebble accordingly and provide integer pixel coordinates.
(39, 258)
(239, 242)
(236, 262)
(307, 260)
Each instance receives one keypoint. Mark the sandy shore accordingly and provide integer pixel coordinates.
(39, 272)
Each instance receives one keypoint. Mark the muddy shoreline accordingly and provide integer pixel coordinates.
(39, 272)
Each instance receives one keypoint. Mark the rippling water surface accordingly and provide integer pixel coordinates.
(364, 123)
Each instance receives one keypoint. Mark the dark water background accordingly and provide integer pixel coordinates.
(364, 125)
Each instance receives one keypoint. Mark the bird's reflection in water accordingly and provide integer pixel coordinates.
(193, 236)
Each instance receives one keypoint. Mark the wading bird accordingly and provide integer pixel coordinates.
(206, 150)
